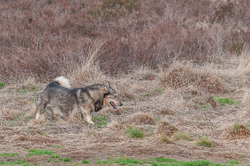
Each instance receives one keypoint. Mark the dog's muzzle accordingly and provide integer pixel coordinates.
(113, 104)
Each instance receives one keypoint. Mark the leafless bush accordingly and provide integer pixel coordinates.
(48, 38)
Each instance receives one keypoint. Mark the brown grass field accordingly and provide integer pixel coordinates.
(181, 69)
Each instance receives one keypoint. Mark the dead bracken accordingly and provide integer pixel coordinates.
(240, 133)
(166, 129)
(140, 119)
(181, 76)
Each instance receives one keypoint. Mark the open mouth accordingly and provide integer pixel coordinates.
(113, 104)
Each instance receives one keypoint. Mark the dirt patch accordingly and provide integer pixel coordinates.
(140, 119)
(240, 134)
(166, 129)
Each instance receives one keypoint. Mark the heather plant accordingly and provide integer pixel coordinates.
(137, 34)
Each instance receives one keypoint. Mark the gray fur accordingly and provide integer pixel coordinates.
(62, 102)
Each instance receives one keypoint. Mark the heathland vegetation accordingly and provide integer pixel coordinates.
(46, 38)
(181, 69)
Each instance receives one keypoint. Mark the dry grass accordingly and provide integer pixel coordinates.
(243, 67)
(89, 71)
(246, 96)
(179, 76)
(140, 119)
(238, 132)
(185, 75)
(166, 129)
(137, 34)
(181, 135)
(163, 60)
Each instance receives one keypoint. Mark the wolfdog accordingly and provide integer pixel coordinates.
(63, 102)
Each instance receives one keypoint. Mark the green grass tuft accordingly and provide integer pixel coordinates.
(156, 162)
(225, 101)
(23, 91)
(247, 127)
(34, 152)
(8, 154)
(165, 139)
(2, 85)
(135, 133)
(66, 159)
(104, 162)
(159, 90)
(158, 119)
(180, 135)
(204, 142)
(204, 107)
(100, 121)
(33, 88)
(165, 160)
(233, 162)
(85, 161)
(13, 163)
(236, 127)
(127, 161)
(54, 156)
(56, 146)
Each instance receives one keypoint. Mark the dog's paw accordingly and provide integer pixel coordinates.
(92, 123)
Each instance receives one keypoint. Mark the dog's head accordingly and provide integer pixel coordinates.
(111, 97)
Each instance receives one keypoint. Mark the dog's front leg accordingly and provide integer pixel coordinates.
(87, 114)
(38, 115)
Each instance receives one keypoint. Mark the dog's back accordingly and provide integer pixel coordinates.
(57, 97)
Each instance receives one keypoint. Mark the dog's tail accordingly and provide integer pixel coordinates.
(63, 81)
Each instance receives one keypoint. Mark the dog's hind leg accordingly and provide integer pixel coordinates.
(40, 105)
(57, 113)
(87, 114)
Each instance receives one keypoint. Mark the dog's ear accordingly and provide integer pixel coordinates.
(107, 86)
